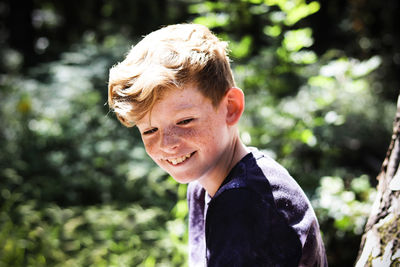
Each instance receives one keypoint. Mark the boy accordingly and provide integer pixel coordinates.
(177, 87)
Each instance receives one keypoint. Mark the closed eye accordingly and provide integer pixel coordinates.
(150, 131)
(186, 121)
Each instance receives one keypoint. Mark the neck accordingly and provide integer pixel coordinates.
(236, 151)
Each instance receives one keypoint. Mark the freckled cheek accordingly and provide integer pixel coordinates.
(203, 137)
(187, 134)
(150, 146)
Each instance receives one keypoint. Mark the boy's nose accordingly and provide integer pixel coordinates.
(169, 140)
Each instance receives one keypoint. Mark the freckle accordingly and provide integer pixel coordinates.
(190, 133)
(149, 143)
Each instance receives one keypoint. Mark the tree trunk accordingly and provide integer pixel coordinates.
(380, 245)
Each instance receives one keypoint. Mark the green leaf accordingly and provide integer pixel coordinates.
(241, 49)
(297, 39)
(213, 20)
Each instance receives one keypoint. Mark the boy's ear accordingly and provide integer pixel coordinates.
(235, 105)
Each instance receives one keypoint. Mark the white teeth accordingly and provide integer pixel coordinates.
(179, 160)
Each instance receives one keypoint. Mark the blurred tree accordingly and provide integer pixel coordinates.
(380, 244)
(362, 29)
(40, 30)
(17, 28)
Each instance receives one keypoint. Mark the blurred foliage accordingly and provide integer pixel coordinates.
(343, 210)
(77, 188)
(108, 235)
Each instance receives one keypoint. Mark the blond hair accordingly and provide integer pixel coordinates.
(171, 57)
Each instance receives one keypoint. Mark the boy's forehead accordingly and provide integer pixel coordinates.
(177, 99)
(184, 106)
(174, 107)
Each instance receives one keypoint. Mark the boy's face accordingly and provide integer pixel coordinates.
(186, 135)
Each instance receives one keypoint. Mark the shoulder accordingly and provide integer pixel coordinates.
(294, 205)
(288, 196)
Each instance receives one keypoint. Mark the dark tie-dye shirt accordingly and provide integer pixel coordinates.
(258, 217)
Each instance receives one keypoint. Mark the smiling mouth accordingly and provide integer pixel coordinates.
(180, 160)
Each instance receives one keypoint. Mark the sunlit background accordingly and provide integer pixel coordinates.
(77, 189)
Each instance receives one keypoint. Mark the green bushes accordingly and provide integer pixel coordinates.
(77, 189)
(104, 235)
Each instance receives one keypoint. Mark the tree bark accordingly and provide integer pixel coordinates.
(380, 244)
